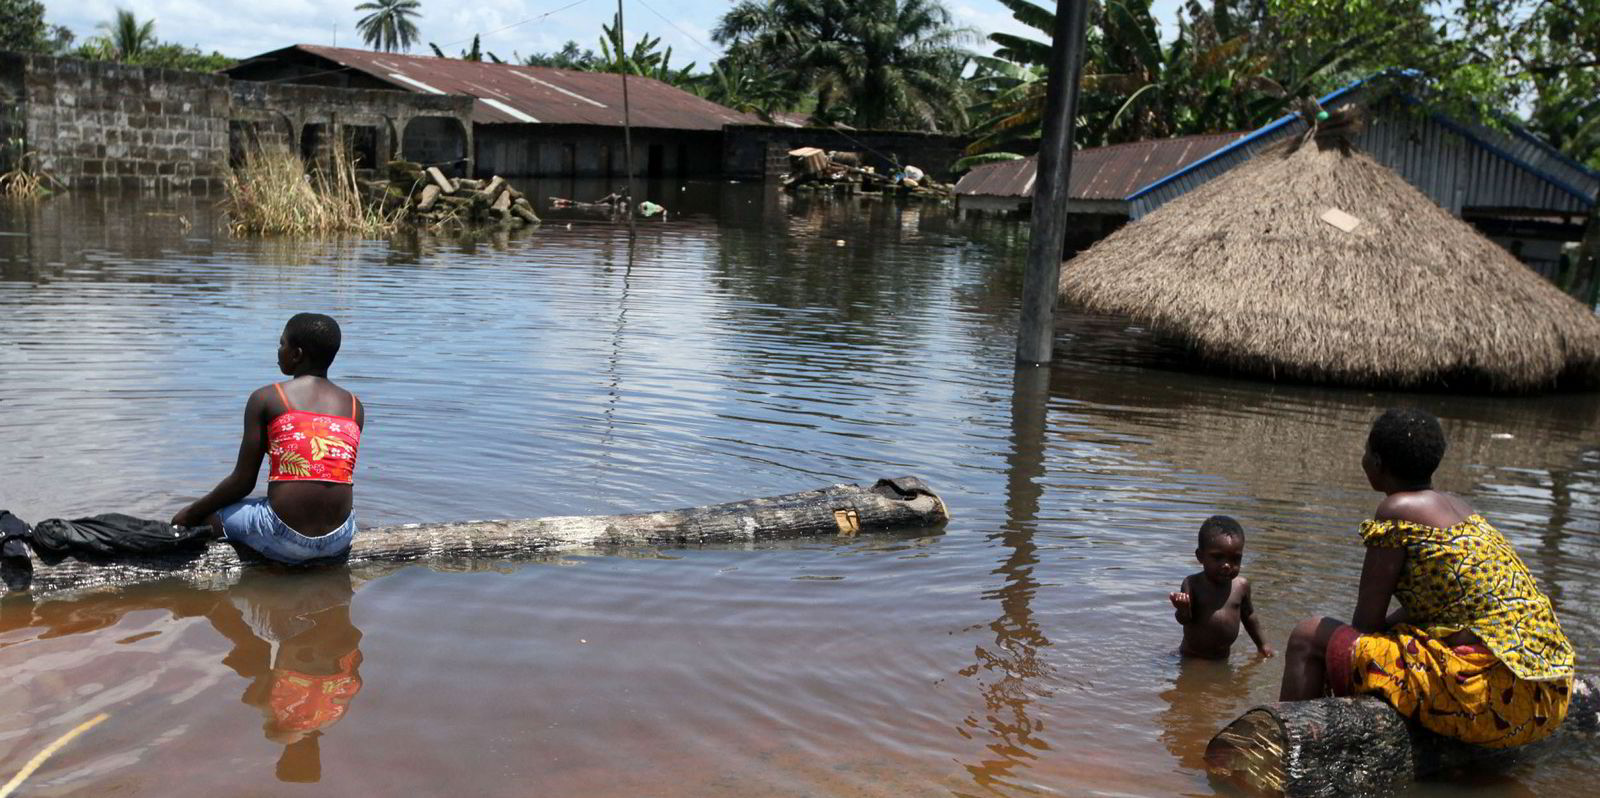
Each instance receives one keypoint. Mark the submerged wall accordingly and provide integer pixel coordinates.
(545, 150)
(97, 124)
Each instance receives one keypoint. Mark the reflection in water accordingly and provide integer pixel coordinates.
(1200, 702)
(1012, 674)
(293, 640)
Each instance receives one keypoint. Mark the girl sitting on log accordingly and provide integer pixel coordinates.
(310, 430)
(1474, 652)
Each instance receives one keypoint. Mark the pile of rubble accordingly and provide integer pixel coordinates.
(429, 198)
(814, 169)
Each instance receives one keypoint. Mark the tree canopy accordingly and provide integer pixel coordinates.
(1238, 64)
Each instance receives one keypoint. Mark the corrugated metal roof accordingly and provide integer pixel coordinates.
(510, 94)
(1099, 173)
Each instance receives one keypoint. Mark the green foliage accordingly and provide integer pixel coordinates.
(868, 63)
(477, 53)
(125, 38)
(1237, 64)
(570, 56)
(644, 58)
(389, 26)
(23, 29)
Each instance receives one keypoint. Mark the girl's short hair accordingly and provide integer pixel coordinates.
(316, 335)
(1408, 442)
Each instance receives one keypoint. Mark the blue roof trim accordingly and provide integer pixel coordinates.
(1288, 119)
(1526, 135)
(1470, 135)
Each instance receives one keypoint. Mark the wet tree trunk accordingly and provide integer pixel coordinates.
(1361, 746)
(832, 511)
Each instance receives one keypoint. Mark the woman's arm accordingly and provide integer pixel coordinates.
(236, 485)
(1380, 572)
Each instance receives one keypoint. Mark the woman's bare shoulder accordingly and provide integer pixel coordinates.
(1427, 507)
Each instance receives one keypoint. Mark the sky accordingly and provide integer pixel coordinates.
(241, 28)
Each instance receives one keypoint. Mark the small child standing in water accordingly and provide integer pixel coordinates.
(1211, 604)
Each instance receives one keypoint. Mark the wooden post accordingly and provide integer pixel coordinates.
(1041, 284)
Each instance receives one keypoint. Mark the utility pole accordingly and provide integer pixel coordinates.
(1041, 283)
(627, 123)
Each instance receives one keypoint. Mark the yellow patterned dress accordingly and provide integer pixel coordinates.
(1511, 690)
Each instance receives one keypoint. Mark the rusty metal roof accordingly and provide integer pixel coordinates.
(1100, 173)
(511, 94)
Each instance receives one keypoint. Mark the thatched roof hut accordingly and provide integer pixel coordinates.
(1311, 262)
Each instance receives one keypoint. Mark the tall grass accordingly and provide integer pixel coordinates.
(272, 193)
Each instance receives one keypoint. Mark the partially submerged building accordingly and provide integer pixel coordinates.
(1512, 186)
(1313, 261)
(526, 121)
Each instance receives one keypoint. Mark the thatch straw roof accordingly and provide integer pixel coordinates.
(1247, 270)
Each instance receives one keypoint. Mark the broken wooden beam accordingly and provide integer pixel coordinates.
(837, 510)
(1331, 747)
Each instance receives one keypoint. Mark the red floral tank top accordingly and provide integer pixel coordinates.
(312, 446)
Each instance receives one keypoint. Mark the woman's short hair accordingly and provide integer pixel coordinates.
(316, 335)
(1409, 442)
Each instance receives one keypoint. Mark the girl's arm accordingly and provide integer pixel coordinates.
(1247, 612)
(237, 485)
(1380, 572)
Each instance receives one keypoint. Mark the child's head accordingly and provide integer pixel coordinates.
(1221, 548)
(309, 339)
(1403, 448)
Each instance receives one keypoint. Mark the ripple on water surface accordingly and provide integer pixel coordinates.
(738, 351)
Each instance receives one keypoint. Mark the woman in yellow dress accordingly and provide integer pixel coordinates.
(1474, 651)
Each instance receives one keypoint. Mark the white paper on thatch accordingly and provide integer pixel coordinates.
(1341, 220)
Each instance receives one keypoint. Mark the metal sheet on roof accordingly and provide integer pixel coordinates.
(511, 94)
(1099, 173)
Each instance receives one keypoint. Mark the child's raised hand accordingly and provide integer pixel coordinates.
(1180, 601)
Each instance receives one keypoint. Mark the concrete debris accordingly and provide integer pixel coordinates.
(812, 169)
(428, 198)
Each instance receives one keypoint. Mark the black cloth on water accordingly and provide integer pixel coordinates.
(14, 534)
(113, 535)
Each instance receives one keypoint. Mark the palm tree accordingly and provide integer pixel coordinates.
(871, 63)
(126, 36)
(389, 26)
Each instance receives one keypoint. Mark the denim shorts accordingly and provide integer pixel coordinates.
(252, 523)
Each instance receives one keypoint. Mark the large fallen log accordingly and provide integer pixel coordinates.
(1361, 746)
(832, 511)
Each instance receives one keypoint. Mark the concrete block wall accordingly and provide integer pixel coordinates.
(96, 124)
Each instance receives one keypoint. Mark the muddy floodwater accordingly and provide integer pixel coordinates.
(751, 345)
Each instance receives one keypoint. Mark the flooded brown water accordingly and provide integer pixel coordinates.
(1025, 649)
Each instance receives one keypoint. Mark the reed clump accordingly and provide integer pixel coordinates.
(26, 180)
(271, 192)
